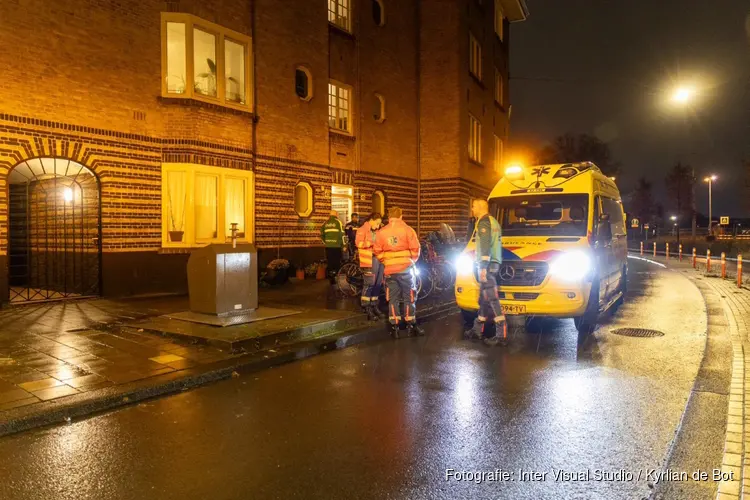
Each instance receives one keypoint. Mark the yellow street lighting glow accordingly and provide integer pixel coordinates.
(710, 178)
(683, 94)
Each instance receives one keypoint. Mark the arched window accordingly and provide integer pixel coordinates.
(378, 202)
(303, 199)
(378, 12)
(303, 83)
(379, 108)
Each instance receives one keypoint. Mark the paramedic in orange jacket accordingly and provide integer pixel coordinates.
(397, 247)
(372, 269)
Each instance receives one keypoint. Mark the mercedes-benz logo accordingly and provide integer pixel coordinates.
(507, 272)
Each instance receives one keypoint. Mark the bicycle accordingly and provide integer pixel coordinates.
(350, 280)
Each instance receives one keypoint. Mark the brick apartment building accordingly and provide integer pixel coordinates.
(132, 131)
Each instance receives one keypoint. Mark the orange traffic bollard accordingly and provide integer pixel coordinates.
(641, 249)
(680, 252)
(695, 258)
(739, 270)
(667, 251)
(654, 249)
(723, 265)
(708, 261)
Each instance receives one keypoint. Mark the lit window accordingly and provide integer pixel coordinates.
(176, 77)
(475, 57)
(499, 18)
(378, 12)
(303, 199)
(378, 203)
(498, 87)
(475, 140)
(379, 108)
(339, 106)
(498, 154)
(220, 60)
(342, 199)
(303, 83)
(338, 14)
(200, 204)
(234, 59)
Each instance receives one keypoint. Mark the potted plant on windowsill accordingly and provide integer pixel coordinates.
(176, 232)
(277, 271)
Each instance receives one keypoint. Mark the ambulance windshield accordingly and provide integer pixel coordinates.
(542, 215)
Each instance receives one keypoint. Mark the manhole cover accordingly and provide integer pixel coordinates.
(638, 332)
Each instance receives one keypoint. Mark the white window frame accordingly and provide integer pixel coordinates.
(499, 20)
(475, 57)
(347, 196)
(189, 240)
(310, 199)
(335, 8)
(350, 101)
(475, 139)
(191, 22)
(498, 154)
(307, 72)
(499, 87)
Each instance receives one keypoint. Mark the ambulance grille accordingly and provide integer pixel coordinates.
(522, 273)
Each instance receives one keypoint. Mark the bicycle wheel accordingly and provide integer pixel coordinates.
(350, 279)
(445, 277)
(425, 285)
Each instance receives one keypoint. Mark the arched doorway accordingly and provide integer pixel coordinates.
(54, 233)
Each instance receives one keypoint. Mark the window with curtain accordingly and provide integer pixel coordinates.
(499, 17)
(339, 108)
(475, 57)
(338, 14)
(475, 140)
(206, 197)
(234, 205)
(200, 203)
(176, 59)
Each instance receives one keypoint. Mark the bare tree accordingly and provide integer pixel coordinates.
(571, 148)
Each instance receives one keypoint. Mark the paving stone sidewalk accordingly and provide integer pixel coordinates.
(53, 355)
(735, 302)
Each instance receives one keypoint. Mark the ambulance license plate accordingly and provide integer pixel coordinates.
(513, 309)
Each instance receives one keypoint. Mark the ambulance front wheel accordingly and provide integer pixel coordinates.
(586, 323)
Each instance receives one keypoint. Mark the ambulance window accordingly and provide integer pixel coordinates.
(614, 210)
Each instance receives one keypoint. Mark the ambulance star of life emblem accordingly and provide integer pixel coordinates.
(393, 240)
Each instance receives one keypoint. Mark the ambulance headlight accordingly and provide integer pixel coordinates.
(464, 265)
(571, 266)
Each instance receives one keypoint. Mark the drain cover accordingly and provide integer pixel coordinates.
(638, 332)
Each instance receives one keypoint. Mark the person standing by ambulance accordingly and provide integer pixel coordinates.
(332, 234)
(489, 253)
(372, 269)
(397, 247)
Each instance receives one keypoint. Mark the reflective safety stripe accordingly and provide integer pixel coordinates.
(486, 257)
(410, 318)
(334, 230)
(365, 258)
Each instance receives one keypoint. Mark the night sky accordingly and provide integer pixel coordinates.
(605, 67)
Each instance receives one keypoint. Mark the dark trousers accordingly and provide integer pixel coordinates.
(373, 277)
(333, 256)
(401, 290)
(489, 301)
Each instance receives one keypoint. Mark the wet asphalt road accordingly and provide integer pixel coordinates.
(386, 420)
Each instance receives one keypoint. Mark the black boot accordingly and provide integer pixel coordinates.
(414, 330)
(476, 331)
(501, 335)
(393, 330)
(372, 313)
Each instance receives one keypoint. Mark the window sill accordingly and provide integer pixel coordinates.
(477, 80)
(341, 134)
(500, 107)
(187, 248)
(342, 31)
(475, 163)
(499, 38)
(207, 103)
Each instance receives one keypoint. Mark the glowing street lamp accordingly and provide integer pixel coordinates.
(683, 95)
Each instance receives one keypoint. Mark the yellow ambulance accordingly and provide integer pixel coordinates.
(564, 241)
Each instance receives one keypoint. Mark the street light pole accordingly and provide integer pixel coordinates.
(710, 180)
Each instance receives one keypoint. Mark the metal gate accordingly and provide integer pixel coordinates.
(54, 238)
